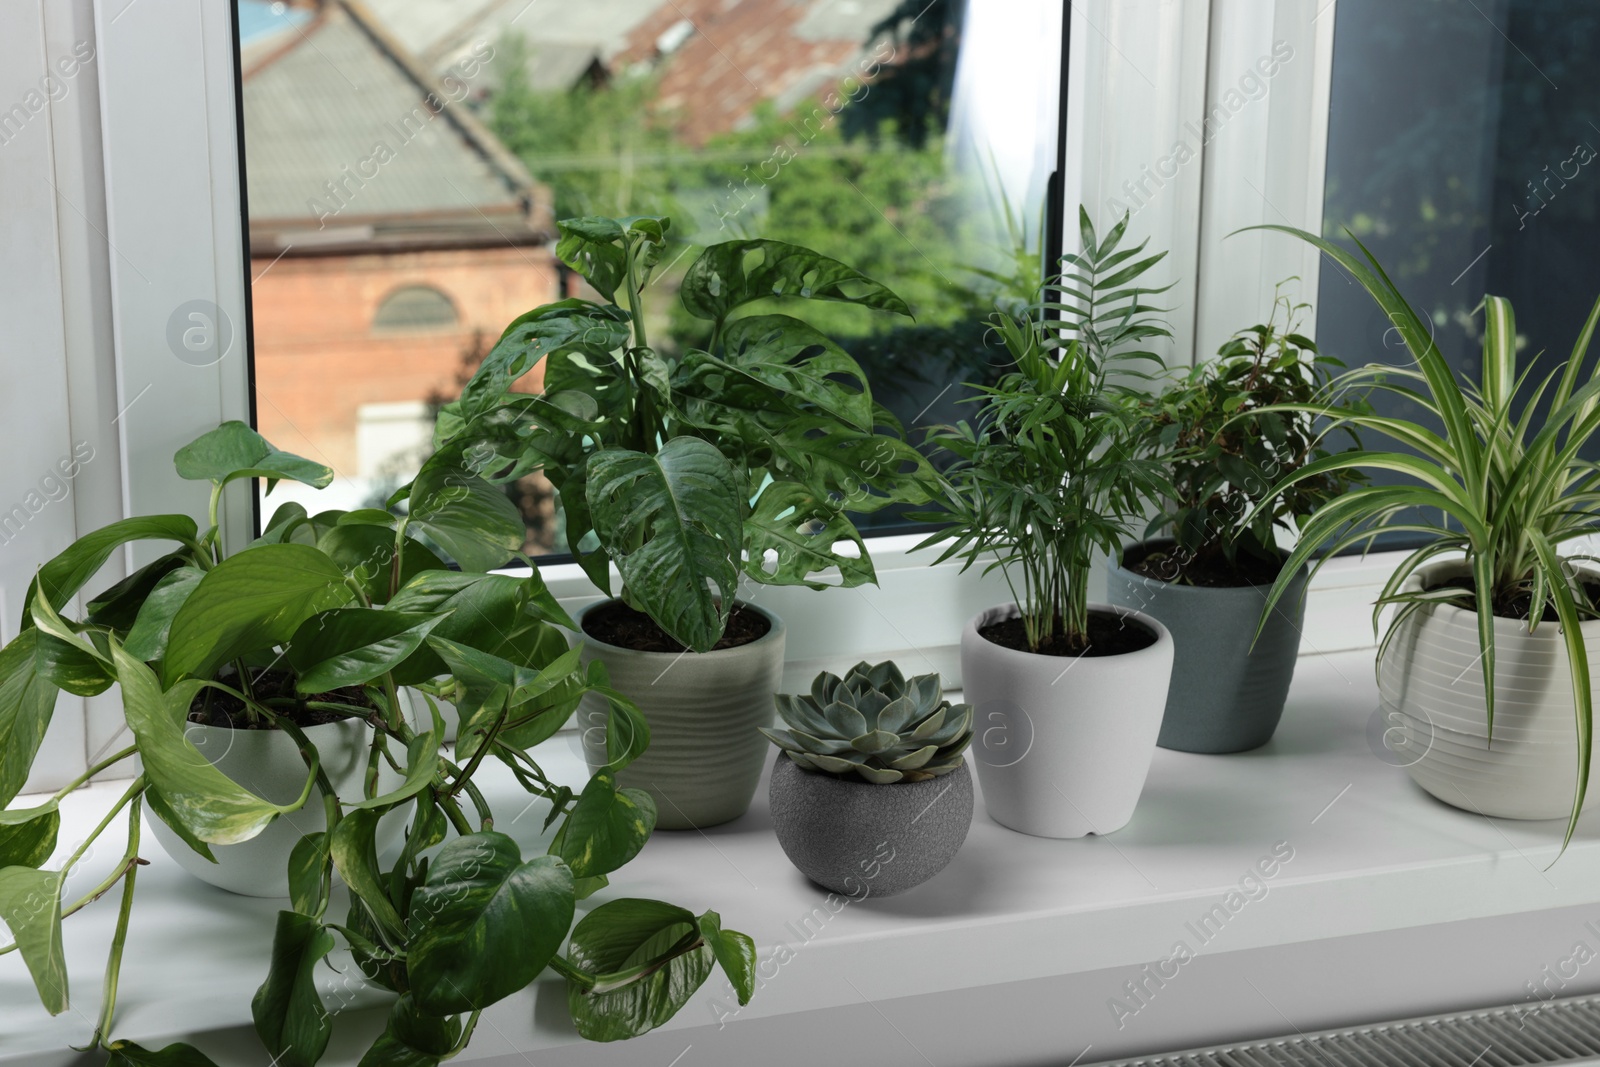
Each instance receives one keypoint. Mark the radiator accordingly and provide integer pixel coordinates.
(1555, 1031)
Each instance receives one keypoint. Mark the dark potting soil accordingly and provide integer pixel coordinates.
(616, 623)
(1109, 635)
(212, 707)
(1169, 564)
(1519, 605)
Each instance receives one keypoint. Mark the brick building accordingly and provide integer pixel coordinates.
(389, 232)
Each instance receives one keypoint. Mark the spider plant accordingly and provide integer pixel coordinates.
(1508, 490)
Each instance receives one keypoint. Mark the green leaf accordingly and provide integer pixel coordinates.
(593, 247)
(735, 952)
(413, 1038)
(792, 535)
(67, 573)
(128, 1054)
(796, 363)
(475, 523)
(673, 523)
(729, 275)
(147, 638)
(119, 606)
(607, 827)
(422, 766)
(287, 1009)
(28, 835)
(30, 904)
(352, 646)
(355, 855)
(27, 701)
(209, 804)
(634, 935)
(365, 552)
(233, 450)
(486, 923)
(504, 616)
(309, 881)
(251, 601)
(71, 666)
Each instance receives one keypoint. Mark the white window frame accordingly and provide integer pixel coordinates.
(142, 214)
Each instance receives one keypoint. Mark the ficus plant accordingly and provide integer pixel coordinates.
(1047, 474)
(687, 471)
(1224, 450)
(338, 613)
(1500, 487)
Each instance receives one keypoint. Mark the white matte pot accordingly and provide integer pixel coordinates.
(1430, 683)
(1062, 744)
(268, 763)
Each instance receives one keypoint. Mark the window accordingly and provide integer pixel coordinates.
(415, 307)
(1462, 150)
(421, 151)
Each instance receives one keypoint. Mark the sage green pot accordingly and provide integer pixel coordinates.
(706, 753)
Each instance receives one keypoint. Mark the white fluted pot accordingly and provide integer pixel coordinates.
(1063, 745)
(704, 709)
(1430, 683)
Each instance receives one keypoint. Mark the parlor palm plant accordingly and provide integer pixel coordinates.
(1500, 488)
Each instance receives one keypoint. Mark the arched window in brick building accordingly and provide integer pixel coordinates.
(416, 307)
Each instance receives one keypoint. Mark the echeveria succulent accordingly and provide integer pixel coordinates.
(874, 724)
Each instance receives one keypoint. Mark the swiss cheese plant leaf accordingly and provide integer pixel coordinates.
(794, 361)
(64, 575)
(27, 701)
(147, 638)
(593, 247)
(30, 904)
(485, 923)
(475, 523)
(288, 1012)
(735, 952)
(791, 536)
(729, 275)
(621, 940)
(607, 827)
(28, 835)
(128, 1054)
(209, 804)
(673, 523)
(249, 602)
(352, 646)
(234, 450)
(413, 1038)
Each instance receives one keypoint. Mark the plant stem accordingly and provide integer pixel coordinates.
(399, 551)
(133, 791)
(108, 999)
(582, 979)
(96, 769)
(466, 1035)
(452, 811)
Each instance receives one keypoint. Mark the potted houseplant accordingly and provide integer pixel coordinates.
(319, 624)
(1207, 578)
(1487, 657)
(874, 796)
(737, 463)
(1068, 694)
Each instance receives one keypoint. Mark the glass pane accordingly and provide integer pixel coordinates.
(1461, 151)
(407, 160)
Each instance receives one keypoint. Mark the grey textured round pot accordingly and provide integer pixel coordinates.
(1225, 695)
(864, 840)
(704, 709)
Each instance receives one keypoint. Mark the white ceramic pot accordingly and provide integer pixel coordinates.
(704, 708)
(1063, 745)
(1431, 682)
(268, 763)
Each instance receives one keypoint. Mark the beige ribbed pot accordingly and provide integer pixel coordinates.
(704, 708)
(1430, 683)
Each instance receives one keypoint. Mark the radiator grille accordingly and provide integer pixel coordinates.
(1556, 1031)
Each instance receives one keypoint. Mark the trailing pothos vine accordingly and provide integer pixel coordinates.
(344, 613)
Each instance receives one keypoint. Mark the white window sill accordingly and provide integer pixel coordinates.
(1392, 905)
